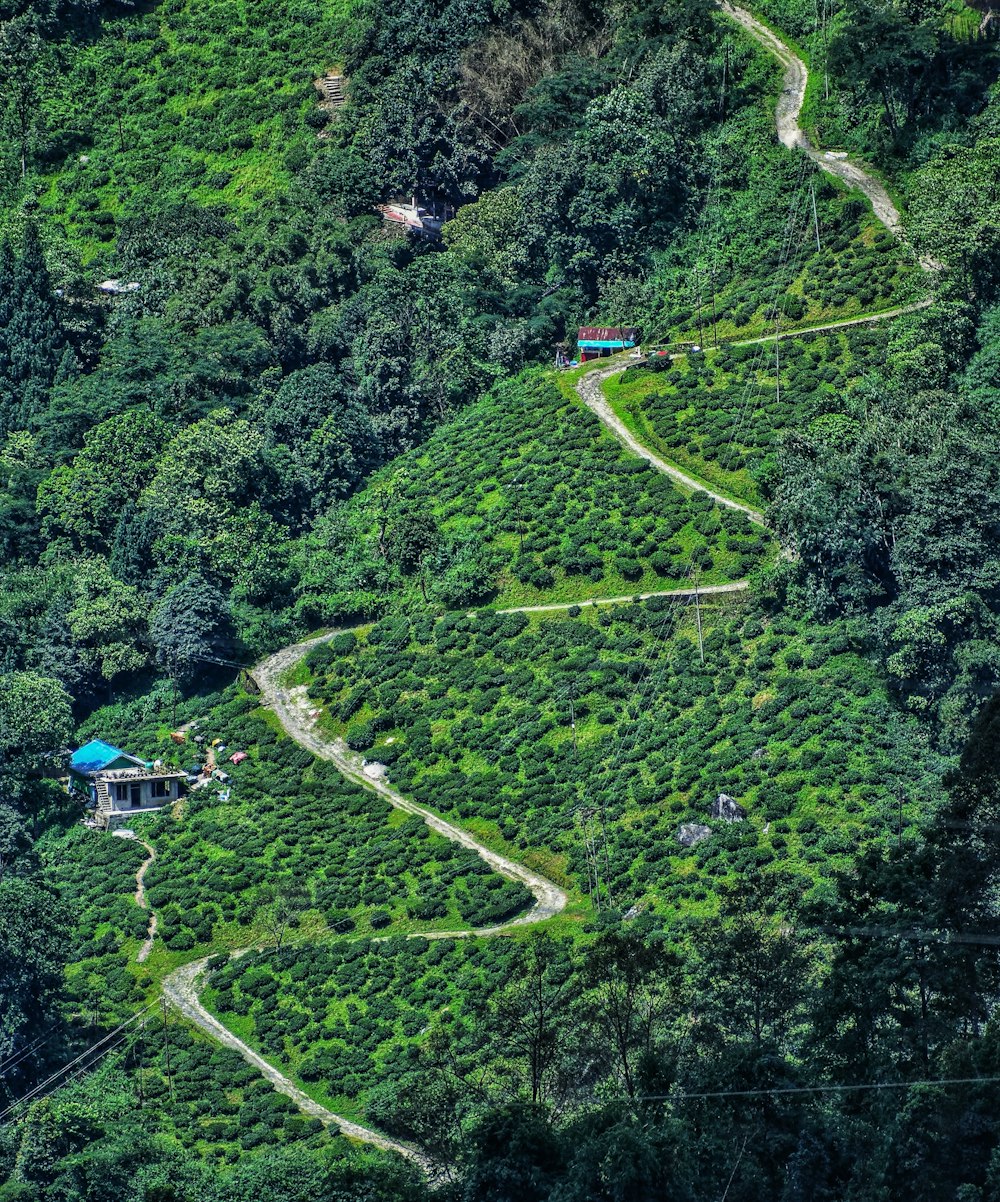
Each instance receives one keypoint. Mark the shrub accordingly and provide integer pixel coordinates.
(360, 735)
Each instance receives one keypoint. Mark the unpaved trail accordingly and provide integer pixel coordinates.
(589, 390)
(863, 319)
(143, 902)
(791, 134)
(706, 590)
(181, 990)
(292, 707)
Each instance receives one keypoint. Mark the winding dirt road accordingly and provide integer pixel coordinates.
(589, 390)
(292, 706)
(706, 590)
(791, 134)
(181, 990)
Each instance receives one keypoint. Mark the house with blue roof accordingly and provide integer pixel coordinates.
(119, 785)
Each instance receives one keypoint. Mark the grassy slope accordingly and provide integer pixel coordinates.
(290, 823)
(529, 466)
(721, 414)
(674, 737)
(194, 101)
(372, 1010)
(472, 715)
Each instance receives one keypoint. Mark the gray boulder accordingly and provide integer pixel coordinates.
(690, 833)
(728, 809)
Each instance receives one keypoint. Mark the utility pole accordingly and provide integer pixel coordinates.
(593, 868)
(517, 513)
(777, 361)
(142, 1060)
(607, 854)
(812, 191)
(697, 610)
(715, 319)
(166, 1048)
(697, 287)
(725, 77)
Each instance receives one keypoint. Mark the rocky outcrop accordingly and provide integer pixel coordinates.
(728, 809)
(690, 833)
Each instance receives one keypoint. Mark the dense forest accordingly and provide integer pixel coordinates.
(628, 827)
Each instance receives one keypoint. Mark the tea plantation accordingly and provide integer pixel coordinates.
(604, 726)
(723, 413)
(523, 499)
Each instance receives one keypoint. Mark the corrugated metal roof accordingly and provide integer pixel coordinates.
(97, 754)
(606, 334)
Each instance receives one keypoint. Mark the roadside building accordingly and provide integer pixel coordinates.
(421, 218)
(597, 342)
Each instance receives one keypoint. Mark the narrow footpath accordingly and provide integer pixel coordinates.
(142, 901)
(181, 990)
(791, 134)
(589, 389)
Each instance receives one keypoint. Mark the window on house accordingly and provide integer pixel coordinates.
(160, 788)
(121, 792)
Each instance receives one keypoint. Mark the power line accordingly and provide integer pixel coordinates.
(793, 1090)
(32, 1093)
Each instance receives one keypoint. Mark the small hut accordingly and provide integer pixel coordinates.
(597, 342)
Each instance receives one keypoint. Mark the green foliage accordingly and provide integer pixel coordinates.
(536, 489)
(475, 718)
(294, 844)
(723, 414)
(32, 950)
(193, 469)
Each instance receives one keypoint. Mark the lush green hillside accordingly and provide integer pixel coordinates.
(773, 810)
(187, 103)
(724, 412)
(524, 499)
(550, 729)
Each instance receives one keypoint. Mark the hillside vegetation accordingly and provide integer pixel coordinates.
(524, 498)
(684, 886)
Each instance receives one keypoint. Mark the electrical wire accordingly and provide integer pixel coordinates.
(32, 1093)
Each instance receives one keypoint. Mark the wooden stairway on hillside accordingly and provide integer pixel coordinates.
(332, 86)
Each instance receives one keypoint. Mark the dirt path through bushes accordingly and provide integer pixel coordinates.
(143, 902)
(590, 390)
(791, 134)
(181, 990)
(292, 706)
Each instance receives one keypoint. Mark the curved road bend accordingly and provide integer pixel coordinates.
(791, 134)
(181, 990)
(291, 706)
